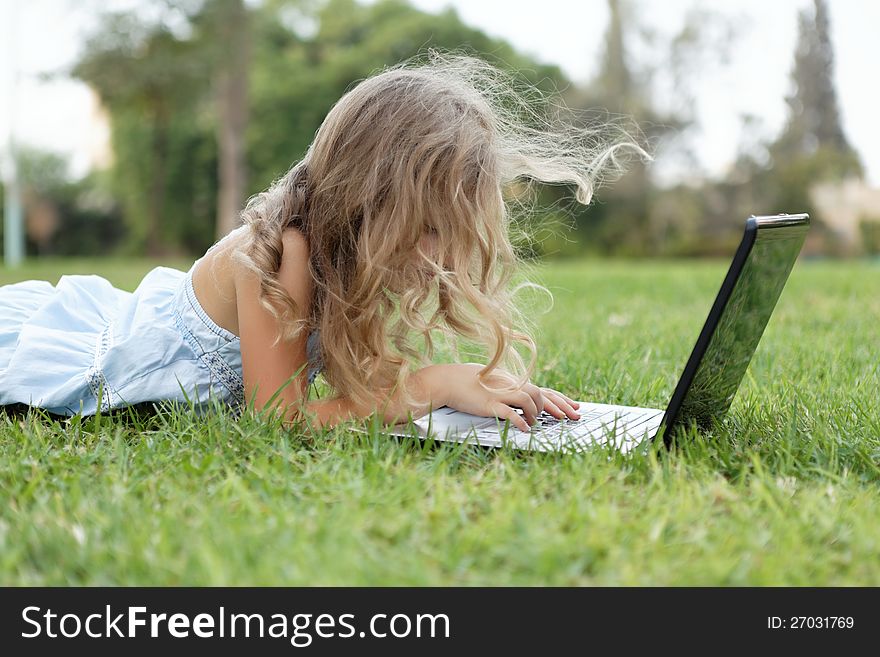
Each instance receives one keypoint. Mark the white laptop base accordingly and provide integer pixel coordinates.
(624, 427)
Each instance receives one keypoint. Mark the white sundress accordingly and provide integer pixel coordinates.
(61, 345)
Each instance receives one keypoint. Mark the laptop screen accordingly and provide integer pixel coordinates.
(738, 323)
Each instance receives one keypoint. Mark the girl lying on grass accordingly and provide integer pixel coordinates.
(400, 196)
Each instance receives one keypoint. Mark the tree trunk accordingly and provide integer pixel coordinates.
(158, 183)
(232, 113)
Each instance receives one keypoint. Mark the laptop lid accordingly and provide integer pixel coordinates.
(736, 321)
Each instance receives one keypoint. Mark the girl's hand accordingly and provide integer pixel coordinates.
(461, 390)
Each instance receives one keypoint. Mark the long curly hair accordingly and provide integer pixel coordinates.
(429, 145)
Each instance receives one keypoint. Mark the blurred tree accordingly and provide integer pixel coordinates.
(65, 217)
(148, 78)
(615, 80)
(813, 115)
(43, 175)
(306, 55)
(778, 176)
(180, 89)
(224, 28)
(90, 218)
(812, 147)
(869, 230)
(620, 222)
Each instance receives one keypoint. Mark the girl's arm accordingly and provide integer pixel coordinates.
(457, 385)
(328, 412)
(265, 368)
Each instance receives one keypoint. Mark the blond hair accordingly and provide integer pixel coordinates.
(424, 145)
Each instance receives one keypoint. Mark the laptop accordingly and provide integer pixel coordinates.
(711, 377)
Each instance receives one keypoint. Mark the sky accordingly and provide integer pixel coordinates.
(45, 36)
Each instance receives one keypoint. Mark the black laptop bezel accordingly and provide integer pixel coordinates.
(753, 225)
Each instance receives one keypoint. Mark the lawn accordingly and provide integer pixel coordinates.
(786, 492)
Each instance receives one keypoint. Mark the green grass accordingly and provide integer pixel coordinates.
(785, 493)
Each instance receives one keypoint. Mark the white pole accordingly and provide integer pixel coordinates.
(13, 228)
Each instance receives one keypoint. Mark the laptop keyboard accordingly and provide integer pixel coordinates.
(545, 419)
(626, 426)
(594, 423)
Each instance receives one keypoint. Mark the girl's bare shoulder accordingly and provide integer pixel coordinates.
(293, 273)
(293, 270)
(213, 281)
(218, 277)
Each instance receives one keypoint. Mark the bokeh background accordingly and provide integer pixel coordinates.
(140, 127)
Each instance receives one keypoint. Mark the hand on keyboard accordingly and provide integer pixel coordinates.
(465, 387)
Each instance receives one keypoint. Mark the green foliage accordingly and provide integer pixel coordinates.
(153, 83)
(869, 229)
(188, 175)
(159, 82)
(158, 86)
(91, 221)
(297, 80)
(40, 172)
(84, 217)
